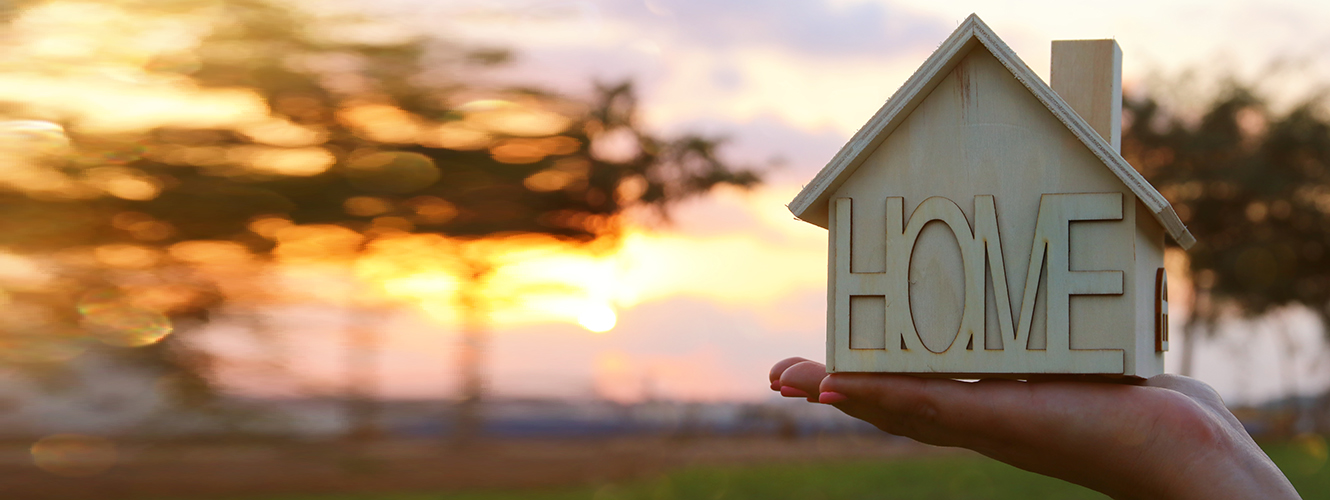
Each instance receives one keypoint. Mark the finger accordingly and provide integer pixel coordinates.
(802, 380)
(780, 368)
(984, 415)
(1082, 378)
(898, 404)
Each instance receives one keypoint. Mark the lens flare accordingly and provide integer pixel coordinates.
(598, 318)
(114, 321)
(33, 137)
(73, 454)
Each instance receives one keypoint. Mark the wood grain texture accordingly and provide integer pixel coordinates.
(812, 204)
(980, 226)
(903, 348)
(1087, 74)
(867, 315)
(1149, 246)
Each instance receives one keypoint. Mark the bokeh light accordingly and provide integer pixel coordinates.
(508, 118)
(124, 182)
(392, 172)
(1311, 454)
(297, 162)
(74, 454)
(33, 137)
(111, 318)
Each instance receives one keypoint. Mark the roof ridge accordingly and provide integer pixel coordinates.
(973, 30)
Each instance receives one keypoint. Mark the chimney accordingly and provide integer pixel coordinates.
(1088, 75)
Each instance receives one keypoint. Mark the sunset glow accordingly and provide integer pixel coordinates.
(691, 309)
(598, 318)
(541, 279)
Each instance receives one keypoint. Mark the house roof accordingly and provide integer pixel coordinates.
(810, 204)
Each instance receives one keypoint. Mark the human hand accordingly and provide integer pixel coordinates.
(1169, 437)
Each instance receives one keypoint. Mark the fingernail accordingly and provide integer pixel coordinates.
(791, 392)
(831, 398)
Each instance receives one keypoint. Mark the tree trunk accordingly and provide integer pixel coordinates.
(362, 409)
(1299, 412)
(468, 424)
(1191, 338)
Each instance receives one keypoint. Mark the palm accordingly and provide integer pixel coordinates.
(1124, 440)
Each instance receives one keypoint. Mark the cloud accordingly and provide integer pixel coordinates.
(810, 64)
(813, 27)
(816, 28)
(796, 153)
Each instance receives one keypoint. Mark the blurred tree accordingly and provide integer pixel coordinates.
(1254, 187)
(363, 136)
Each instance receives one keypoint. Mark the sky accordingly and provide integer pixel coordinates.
(698, 310)
(702, 308)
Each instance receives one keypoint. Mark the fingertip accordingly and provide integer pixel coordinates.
(792, 392)
(831, 398)
(828, 382)
(805, 375)
(835, 382)
(779, 368)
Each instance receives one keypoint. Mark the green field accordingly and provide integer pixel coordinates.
(934, 477)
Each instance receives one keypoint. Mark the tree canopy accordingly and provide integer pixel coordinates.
(1253, 186)
(355, 140)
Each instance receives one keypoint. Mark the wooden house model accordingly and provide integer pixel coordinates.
(983, 223)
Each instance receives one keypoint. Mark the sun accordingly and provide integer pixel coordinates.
(598, 318)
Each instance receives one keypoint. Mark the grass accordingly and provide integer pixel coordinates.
(1303, 460)
(931, 478)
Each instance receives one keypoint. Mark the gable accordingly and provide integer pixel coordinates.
(973, 36)
(979, 132)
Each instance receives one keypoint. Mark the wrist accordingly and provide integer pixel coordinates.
(1234, 468)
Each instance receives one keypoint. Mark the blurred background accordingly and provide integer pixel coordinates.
(391, 249)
